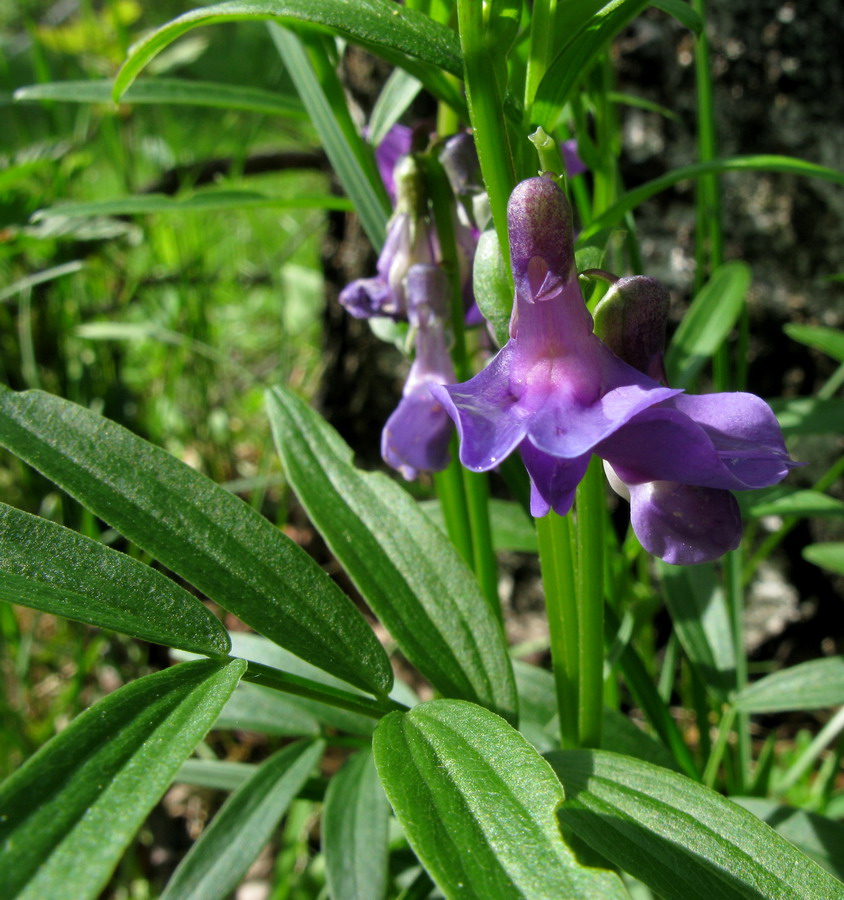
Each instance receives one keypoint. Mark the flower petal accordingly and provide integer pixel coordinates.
(417, 434)
(489, 418)
(553, 481)
(682, 524)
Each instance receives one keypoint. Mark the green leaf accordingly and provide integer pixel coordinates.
(350, 156)
(70, 811)
(48, 567)
(477, 804)
(215, 774)
(809, 415)
(255, 708)
(700, 616)
(828, 340)
(813, 834)
(399, 91)
(199, 530)
(355, 831)
(512, 528)
(710, 318)
(173, 91)
(405, 568)
(574, 60)
(799, 503)
(829, 555)
(761, 163)
(220, 858)
(202, 201)
(679, 838)
(29, 281)
(682, 12)
(400, 35)
(811, 685)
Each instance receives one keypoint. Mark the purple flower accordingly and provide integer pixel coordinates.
(678, 461)
(573, 163)
(417, 434)
(395, 144)
(554, 391)
(410, 240)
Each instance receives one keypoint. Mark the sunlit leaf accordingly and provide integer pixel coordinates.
(477, 804)
(48, 567)
(355, 832)
(199, 530)
(217, 862)
(809, 685)
(680, 838)
(405, 568)
(70, 811)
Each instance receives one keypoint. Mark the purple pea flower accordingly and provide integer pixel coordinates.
(410, 240)
(554, 391)
(417, 434)
(396, 143)
(678, 461)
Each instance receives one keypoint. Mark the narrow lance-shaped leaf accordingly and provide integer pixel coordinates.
(680, 838)
(478, 804)
(355, 832)
(698, 608)
(48, 567)
(828, 555)
(70, 811)
(391, 31)
(707, 323)
(810, 685)
(216, 863)
(199, 530)
(404, 567)
(175, 91)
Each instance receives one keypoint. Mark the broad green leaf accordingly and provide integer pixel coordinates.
(760, 163)
(217, 862)
(699, 613)
(169, 91)
(816, 835)
(809, 685)
(405, 568)
(355, 831)
(683, 12)
(799, 503)
(512, 528)
(573, 61)
(828, 340)
(255, 708)
(400, 35)
(680, 838)
(48, 567)
(829, 555)
(809, 415)
(352, 159)
(399, 91)
(215, 773)
(477, 804)
(70, 811)
(199, 530)
(203, 201)
(709, 320)
(29, 281)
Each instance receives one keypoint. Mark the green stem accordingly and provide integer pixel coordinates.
(486, 114)
(714, 762)
(591, 505)
(541, 47)
(555, 557)
(452, 497)
(476, 488)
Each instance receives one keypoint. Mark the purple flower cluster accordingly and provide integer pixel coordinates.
(557, 394)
